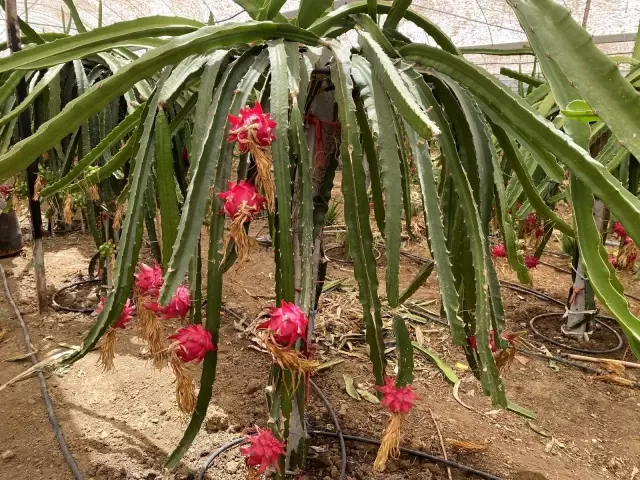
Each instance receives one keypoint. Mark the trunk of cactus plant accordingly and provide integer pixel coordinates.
(13, 37)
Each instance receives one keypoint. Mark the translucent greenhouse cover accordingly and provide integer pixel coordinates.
(468, 22)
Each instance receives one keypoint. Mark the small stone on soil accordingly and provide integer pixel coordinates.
(253, 386)
(232, 466)
(8, 455)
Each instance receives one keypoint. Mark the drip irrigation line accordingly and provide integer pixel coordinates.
(618, 346)
(43, 386)
(415, 453)
(56, 304)
(336, 423)
(217, 453)
(376, 253)
(560, 269)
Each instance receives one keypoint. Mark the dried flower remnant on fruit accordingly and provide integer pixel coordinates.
(108, 341)
(251, 126)
(241, 202)
(252, 131)
(398, 400)
(190, 345)
(263, 451)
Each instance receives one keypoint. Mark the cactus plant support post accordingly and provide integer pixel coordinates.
(13, 38)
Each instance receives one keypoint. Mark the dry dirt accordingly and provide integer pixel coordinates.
(122, 425)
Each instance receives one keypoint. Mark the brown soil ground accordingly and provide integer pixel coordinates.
(122, 425)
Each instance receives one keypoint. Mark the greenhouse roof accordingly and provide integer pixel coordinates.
(613, 23)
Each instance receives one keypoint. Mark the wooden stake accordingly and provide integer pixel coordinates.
(603, 360)
(24, 124)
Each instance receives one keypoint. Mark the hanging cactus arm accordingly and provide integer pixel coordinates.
(489, 372)
(116, 135)
(97, 97)
(131, 236)
(398, 10)
(587, 69)
(387, 146)
(166, 186)
(203, 167)
(512, 156)
(281, 165)
(357, 209)
(386, 72)
(517, 117)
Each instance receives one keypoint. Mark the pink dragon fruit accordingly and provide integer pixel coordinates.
(178, 307)
(125, 317)
(397, 399)
(194, 342)
(288, 324)
(263, 450)
(251, 125)
(241, 199)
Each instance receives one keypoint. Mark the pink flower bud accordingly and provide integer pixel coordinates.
(241, 198)
(194, 342)
(149, 279)
(263, 450)
(251, 126)
(397, 399)
(178, 307)
(531, 261)
(125, 317)
(288, 324)
(498, 251)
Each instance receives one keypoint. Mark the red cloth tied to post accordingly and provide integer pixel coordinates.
(318, 125)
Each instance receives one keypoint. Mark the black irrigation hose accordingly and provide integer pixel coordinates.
(217, 453)
(336, 423)
(71, 309)
(377, 254)
(353, 438)
(544, 296)
(415, 453)
(569, 347)
(73, 466)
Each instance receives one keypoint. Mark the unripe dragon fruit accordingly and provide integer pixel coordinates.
(251, 125)
(241, 199)
(193, 343)
(178, 307)
(288, 324)
(263, 451)
(149, 279)
(499, 251)
(125, 317)
(531, 261)
(397, 399)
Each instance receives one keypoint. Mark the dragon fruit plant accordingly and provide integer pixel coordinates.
(216, 129)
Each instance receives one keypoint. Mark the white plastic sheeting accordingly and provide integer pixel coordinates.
(467, 22)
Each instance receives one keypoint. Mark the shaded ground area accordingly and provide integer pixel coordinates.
(124, 424)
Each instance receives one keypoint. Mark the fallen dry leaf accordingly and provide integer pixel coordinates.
(466, 447)
(523, 360)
